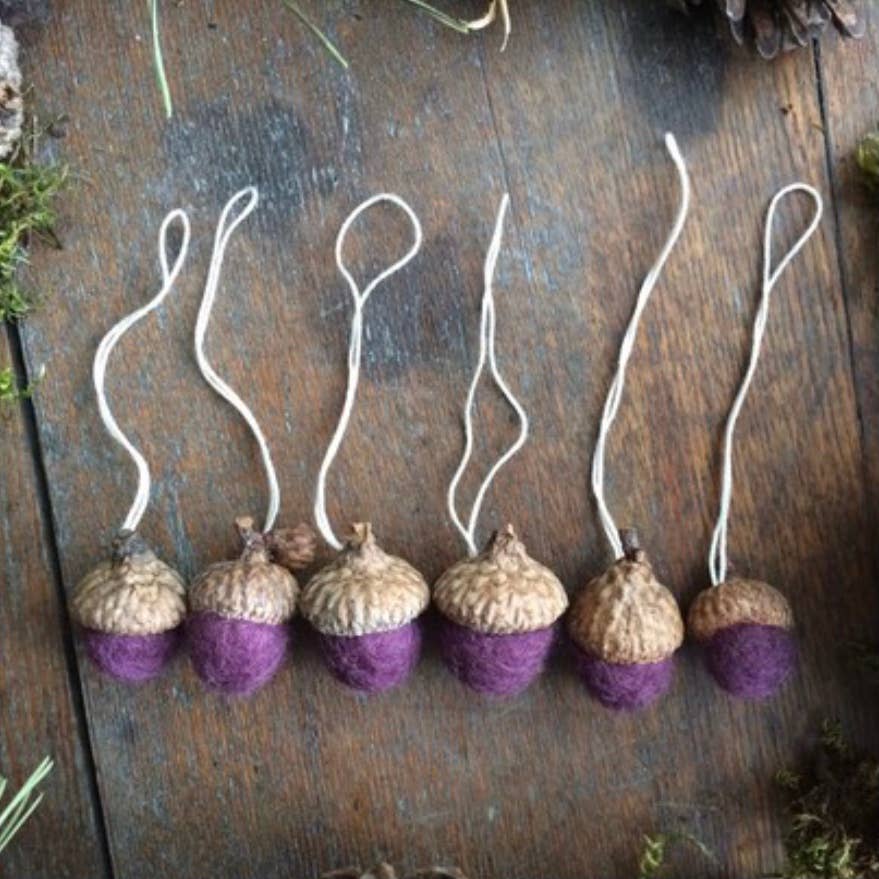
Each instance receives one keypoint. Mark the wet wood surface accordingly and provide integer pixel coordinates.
(305, 776)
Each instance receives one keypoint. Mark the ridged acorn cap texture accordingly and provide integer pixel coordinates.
(626, 615)
(251, 588)
(364, 590)
(502, 591)
(132, 593)
(737, 601)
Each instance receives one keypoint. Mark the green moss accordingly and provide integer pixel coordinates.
(867, 157)
(11, 392)
(833, 808)
(27, 197)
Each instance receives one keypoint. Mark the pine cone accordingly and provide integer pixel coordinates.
(782, 25)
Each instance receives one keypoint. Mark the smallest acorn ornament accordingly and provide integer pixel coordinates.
(500, 610)
(364, 605)
(746, 627)
(626, 626)
(746, 630)
(131, 608)
(238, 630)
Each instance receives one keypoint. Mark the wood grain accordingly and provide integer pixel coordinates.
(63, 837)
(570, 119)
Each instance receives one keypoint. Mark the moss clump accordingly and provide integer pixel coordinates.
(11, 392)
(27, 196)
(833, 804)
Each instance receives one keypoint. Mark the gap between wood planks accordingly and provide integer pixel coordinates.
(48, 538)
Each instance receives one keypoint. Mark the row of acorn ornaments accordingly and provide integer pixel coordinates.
(499, 608)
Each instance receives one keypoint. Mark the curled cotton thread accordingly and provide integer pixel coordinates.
(131, 606)
(500, 607)
(355, 346)
(238, 630)
(487, 352)
(625, 624)
(364, 603)
(490, 17)
(225, 228)
(746, 626)
(109, 342)
(615, 394)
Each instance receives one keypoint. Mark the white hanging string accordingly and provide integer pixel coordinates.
(355, 347)
(225, 228)
(491, 15)
(615, 394)
(486, 352)
(109, 342)
(717, 557)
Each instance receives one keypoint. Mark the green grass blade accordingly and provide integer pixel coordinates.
(23, 804)
(456, 24)
(328, 44)
(159, 61)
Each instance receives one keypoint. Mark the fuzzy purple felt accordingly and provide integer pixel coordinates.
(235, 657)
(496, 665)
(751, 661)
(376, 662)
(625, 687)
(131, 658)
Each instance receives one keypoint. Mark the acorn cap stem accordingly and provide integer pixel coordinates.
(631, 544)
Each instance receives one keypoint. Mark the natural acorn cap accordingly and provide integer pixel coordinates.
(133, 593)
(251, 588)
(502, 591)
(364, 590)
(626, 615)
(737, 601)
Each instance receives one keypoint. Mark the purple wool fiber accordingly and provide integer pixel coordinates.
(625, 687)
(235, 657)
(751, 661)
(131, 658)
(495, 665)
(376, 662)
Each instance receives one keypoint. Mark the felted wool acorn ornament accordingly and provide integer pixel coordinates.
(625, 624)
(746, 626)
(131, 606)
(364, 603)
(238, 630)
(500, 606)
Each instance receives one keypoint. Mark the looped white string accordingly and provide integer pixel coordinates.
(225, 228)
(717, 557)
(109, 342)
(486, 352)
(490, 16)
(355, 347)
(615, 394)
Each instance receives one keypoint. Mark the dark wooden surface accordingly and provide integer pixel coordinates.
(305, 776)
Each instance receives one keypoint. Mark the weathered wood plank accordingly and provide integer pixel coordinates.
(305, 776)
(38, 715)
(852, 109)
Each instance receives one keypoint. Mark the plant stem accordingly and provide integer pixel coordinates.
(456, 24)
(328, 44)
(158, 60)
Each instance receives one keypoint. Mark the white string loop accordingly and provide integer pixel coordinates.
(615, 394)
(717, 557)
(487, 335)
(355, 347)
(109, 342)
(250, 197)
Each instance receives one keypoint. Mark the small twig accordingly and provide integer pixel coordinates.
(329, 45)
(456, 24)
(158, 60)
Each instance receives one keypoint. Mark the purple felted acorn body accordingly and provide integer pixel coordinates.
(745, 628)
(365, 606)
(626, 627)
(499, 614)
(238, 630)
(131, 608)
